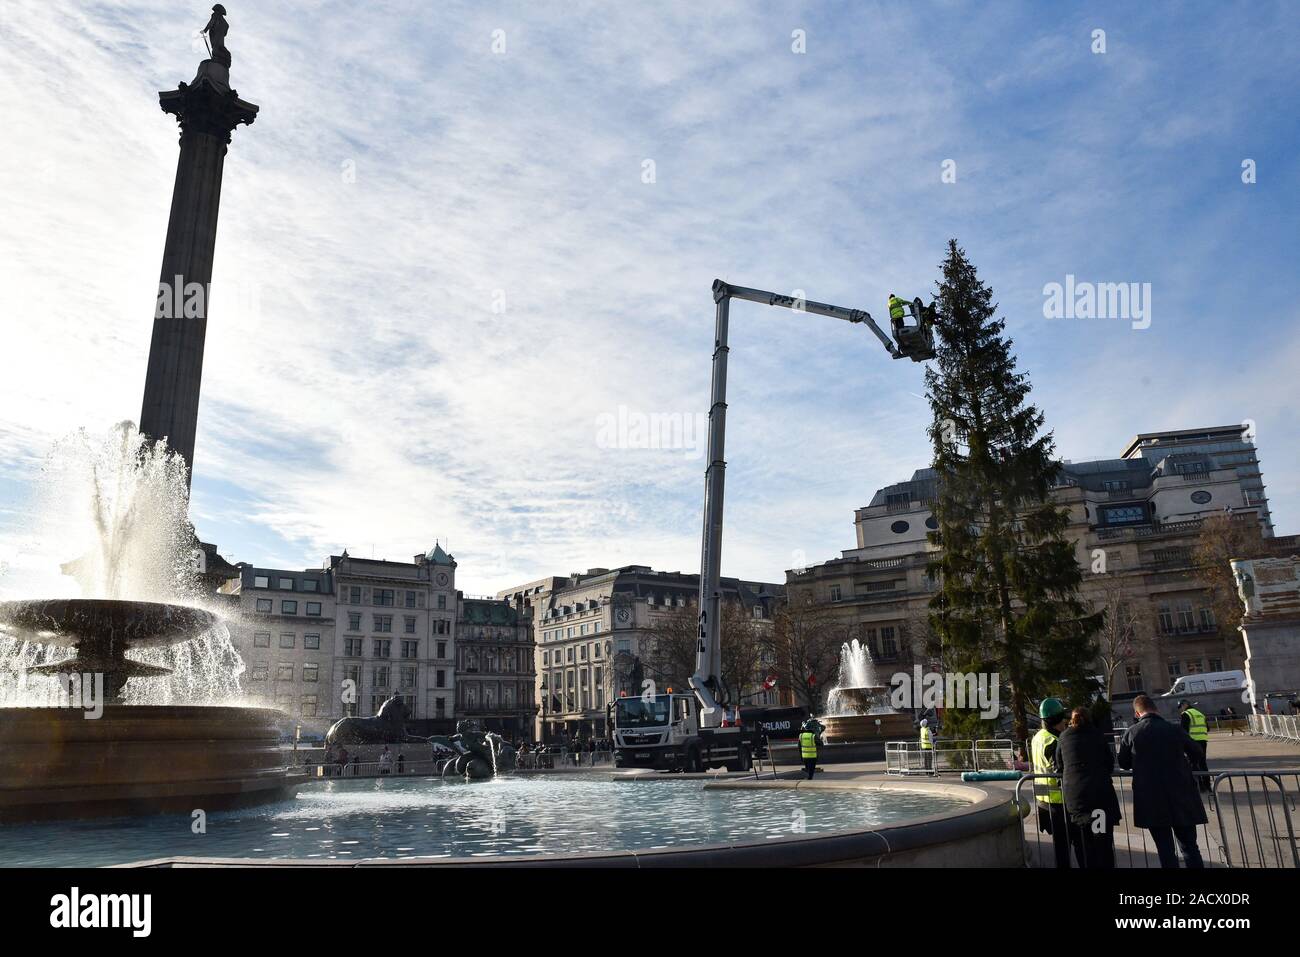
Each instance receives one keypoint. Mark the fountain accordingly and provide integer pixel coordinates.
(858, 709)
(124, 705)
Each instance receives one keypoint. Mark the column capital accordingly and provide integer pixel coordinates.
(208, 105)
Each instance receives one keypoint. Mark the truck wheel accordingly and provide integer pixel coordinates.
(693, 763)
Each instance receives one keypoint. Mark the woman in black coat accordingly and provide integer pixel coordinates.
(1085, 760)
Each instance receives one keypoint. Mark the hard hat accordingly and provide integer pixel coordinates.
(1051, 709)
(925, 722)
(1183, 703)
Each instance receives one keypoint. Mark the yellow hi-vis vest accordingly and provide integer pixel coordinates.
(1196, 726)
(897, 307)
(807, 745)
(1046, 790)
(926, 741)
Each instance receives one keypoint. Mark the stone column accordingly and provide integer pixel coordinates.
(208, 111)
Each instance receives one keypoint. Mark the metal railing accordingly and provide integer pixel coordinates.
(1278, 727)
(949, 756)
(1249, 821)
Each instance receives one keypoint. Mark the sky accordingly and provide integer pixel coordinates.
(463, 241)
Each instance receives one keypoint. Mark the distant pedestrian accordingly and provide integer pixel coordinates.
(1085, 761)
(1052, 818)
(385, 761)
(1197, 729)
(808, 747)
(927, 745)
(1165, 801)
(401, 762)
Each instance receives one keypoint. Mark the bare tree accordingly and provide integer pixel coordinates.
(804, 643)
(1122, 628)
(1222, 539)
(669, 649)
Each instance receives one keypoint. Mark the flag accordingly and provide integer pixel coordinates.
(770, 683)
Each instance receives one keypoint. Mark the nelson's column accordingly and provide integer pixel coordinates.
(208, 111)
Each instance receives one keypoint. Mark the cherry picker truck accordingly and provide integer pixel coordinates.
(701, 730)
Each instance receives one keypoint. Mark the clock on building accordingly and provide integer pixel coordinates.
(623, 615)
(443, 578)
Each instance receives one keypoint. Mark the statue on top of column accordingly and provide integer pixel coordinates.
(216, 30)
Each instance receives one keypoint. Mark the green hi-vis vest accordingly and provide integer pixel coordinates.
(1196, 725)
(807, 745)
(897, 308)
(926, 741)
(1046, 790)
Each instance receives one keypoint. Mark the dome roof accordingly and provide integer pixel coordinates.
(436, 556)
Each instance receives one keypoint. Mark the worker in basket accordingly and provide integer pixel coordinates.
(899, 309)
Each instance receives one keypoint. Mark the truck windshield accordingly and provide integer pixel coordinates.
(639, 712)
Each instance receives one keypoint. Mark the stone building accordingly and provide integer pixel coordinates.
(282, 624)
(1134, 519)
(592, 629)
(495, 674)
(320, 644)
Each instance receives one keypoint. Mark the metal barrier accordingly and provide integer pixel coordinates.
(1278, 727)
(955, 756)
(1250, 826)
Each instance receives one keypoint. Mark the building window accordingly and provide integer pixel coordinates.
(440, 679)
(1216, 664)
(262, 639)
(286, 584)
(442, 602)
(411, 649)
(1207, 620)
(288, 607)
(311, 672)
(354, 621)
(309, 706)
(440, 706)
(1166, 620)
(313, 609)
(311, 642)
(408, 678)
(352, 673)
(1175, 671)
(409, 623)
(310, 584)
(354, 594)
(284, 671)
(1194, 666)
(442, 649)
(383, 623)
(410, 599)
(261, 581)
(382, 596)
(264, 605)
(259, 672)
(381, 648)
(888, 646)
(380, 677)
(835, 593)
(288, 640)
(758, 611)
(582, 653)
(352, 647)
(1133, 677)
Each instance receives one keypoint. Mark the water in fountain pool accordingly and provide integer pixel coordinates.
(404, 818)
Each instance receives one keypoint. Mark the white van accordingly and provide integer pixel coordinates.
(1206, 683)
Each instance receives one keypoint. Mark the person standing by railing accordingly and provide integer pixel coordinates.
(1198, 730)
(1085, 761)
(927, 745)
(1047, 790)
(1165, 801)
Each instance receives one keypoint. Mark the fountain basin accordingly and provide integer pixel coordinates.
(139, 759)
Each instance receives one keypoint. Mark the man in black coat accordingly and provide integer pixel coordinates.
(1165, 800)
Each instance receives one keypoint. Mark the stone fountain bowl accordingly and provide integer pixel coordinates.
(870, 707)
(74, 621)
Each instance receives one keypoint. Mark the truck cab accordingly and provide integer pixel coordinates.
(662, 732)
